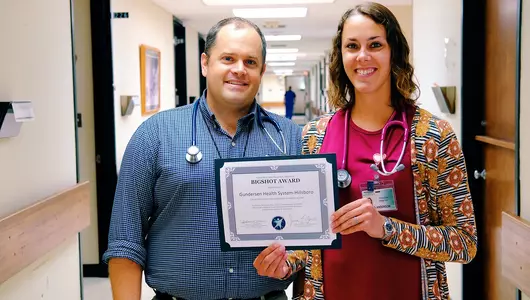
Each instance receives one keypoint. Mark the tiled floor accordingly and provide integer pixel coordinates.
(99, 289)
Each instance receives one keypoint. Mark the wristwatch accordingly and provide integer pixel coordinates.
(388, 229)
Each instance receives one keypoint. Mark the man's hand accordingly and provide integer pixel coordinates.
(359, 215)
(272, 262)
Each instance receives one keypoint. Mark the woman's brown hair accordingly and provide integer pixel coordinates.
(342, 91)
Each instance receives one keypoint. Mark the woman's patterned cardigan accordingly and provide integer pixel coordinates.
(445, 223)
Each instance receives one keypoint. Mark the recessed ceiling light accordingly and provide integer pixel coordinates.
(269, 13)
(289, 37)
(261, 2)
(281, 64)
(285, 50)
(281, 57)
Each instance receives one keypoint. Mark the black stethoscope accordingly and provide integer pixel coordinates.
(344, 177)
(194, 154)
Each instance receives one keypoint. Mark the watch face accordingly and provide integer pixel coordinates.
(388, 227)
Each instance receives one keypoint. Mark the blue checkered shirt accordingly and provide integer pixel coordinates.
(164, 216)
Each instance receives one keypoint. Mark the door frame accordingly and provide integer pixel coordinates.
(518, 108)
(180, 75)
(104, 127)
(518, 43)
(473, 58)
(76, 134)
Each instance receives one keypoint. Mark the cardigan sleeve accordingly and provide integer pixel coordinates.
(448, 231)
(296, 261)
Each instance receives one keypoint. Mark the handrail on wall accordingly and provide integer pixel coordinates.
(516, 251)
(30, 233)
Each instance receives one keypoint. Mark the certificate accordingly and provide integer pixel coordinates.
(287, 200)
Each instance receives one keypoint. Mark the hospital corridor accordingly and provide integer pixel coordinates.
(264, 150)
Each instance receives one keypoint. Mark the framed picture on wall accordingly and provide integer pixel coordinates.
(149, 79)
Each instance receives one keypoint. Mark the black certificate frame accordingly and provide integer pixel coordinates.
(220, 163)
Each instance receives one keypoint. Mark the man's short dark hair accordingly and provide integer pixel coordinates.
(239, 23)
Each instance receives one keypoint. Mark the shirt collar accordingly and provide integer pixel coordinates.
(209, 115)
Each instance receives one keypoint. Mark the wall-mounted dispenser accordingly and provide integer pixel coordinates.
(12, 115)
(446, 98)
(128, 103)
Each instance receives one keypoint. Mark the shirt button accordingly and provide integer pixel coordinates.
(233, 144)
(231, 270)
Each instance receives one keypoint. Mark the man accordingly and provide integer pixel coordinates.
(164, 220)
(289, 99)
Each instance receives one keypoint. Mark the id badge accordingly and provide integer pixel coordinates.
(382, 194)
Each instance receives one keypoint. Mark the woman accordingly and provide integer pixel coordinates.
(394, 245)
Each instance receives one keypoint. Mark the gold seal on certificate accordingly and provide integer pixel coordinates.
(287, 200)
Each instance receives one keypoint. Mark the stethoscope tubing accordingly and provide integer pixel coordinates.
(191, 158)
(399, 166)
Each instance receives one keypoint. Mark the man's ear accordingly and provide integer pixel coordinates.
(204, 64)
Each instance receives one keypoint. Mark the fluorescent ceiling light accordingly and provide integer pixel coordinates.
(269, 13)
(261, 2)
(285, 50)
(283, 72)
(288, 37)
(281, 57)
(281, 64)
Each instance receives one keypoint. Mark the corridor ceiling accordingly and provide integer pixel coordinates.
(316, 28)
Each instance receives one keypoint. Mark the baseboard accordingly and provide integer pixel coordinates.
(96, 270)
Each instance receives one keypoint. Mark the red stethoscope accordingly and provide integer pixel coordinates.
(344, 177)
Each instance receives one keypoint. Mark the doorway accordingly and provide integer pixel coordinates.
(179, 42)
(104, 129)
(491, 45)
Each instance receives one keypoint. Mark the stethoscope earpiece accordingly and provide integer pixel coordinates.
(193, 155)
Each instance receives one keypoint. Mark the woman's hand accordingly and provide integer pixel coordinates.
(359, 215)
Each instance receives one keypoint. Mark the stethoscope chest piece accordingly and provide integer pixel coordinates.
(343, 178)
(194, 154)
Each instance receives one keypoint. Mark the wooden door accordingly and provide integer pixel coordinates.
(493, 174)
(499, 138)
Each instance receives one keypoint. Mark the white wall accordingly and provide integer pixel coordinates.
(36, 65)
(524, 121)
(150, 25)
(433, 21)
(192, 63)
(272, 88)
